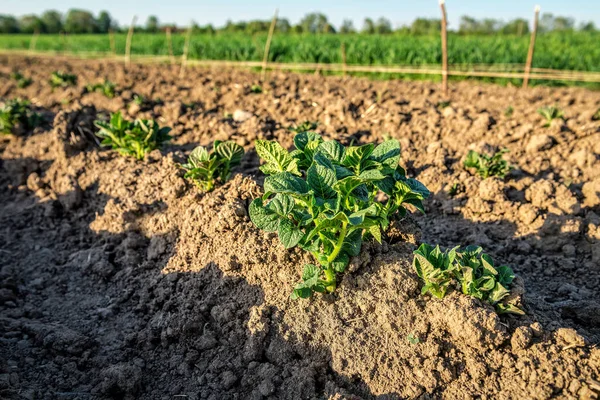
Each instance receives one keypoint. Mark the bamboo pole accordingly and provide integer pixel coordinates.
(444, 49)
(128, 43)
(170, 45)
(186, 48)
(34, 38)
(111, 38)
(531, 47)
(344, 59)
(267, 47)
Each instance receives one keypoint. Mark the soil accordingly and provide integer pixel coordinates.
(121, 280)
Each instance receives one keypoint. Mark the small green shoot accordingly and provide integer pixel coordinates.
(322, 198)
(455, 189)
(17, 116)
(256, 89)
(550, 113)
(132, 138)
(138, 99)
(305, 126)
(107, 88)
(486, 166)
(443, 104)
(206, 168)
(509, 111)
(62, 79)
(412, 338)
(470, 269)
(22, 81)
(596, 116)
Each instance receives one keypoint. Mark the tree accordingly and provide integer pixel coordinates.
(152, 24)
(563, 24)
(425, 26)
(368, 26)
(587, 26)
(316, 23)
(8, 24)
(53, 21)
(104, 22)
(80, 21)
(283, 25)
(31, 23)
(383, 26)
(347, 27)
(519, 26)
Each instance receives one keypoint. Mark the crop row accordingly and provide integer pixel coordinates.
(564, 50)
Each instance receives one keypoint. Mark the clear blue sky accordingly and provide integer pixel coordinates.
(399, 12)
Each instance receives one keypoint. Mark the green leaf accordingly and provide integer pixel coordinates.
(352, 243)
(276, 157)
(229, 151)
(263, 217)
(302, 139)
(371, 175)
(321, 180)
(340, 263)
(285, 182)
(357, 155)
(387, 153)
(288, 233)
(505, 275)
(333, 151)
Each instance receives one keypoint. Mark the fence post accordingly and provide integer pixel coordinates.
(128, 43)
(113, 46)
(170, 45)
(267, 46)
(186, 47)
(344, 66)
(444, 49)
(531, 47)
(36, 33)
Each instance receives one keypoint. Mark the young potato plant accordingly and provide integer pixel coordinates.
(305, 126)
(62, 79)
(132, 138)
(16, 116)
(206, 168)
(322, 198)
(22, 81)
(550, 114)
(486, 166)
(470, 269)
(107, 88)
(256, 89)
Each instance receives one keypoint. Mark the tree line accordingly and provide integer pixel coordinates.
(82, 21)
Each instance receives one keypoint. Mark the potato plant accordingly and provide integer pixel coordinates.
(305, 126)
(486, 166)
(256, 89)
(206, 168)
(22, 81)
(16, 116)
(323, 196)
(62, 79)
(132, 138)
(107, 88)
(550, 113)
(470, 269)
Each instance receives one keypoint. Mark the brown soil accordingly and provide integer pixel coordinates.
(119, 279)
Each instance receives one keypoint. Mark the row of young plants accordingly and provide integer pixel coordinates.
(326, 199)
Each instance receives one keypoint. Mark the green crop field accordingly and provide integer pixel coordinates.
(565, 51)
(574, 51)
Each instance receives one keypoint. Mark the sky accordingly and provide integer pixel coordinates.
(399, 12)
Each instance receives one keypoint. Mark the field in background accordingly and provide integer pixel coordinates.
(577, 51)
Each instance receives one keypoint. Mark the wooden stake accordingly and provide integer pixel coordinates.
(111, 38)
(128, 43)
(170, 45)
(344, 66)
(267, 46)
(444, 49)
(36, 33)
(186, 48)
(531, 47)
